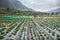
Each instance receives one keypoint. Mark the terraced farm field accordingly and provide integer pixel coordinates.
(30, 29)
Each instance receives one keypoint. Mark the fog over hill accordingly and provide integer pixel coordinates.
(55, 10)
(15, 4)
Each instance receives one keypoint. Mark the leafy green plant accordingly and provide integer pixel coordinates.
(1, 37)
(49, 31)
(53, 33)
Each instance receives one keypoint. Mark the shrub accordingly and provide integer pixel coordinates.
(1, 37)
(53, 33)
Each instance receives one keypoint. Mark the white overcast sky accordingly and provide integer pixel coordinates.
(41, 5)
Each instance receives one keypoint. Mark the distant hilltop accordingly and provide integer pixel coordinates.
(15, 4)
(55, 10)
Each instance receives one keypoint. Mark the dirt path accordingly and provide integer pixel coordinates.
(28, 37)
(28, 31)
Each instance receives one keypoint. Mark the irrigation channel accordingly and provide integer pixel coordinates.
(30, 29)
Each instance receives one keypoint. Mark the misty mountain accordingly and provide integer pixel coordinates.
(15, 4)
(4, 3)
(55, 10)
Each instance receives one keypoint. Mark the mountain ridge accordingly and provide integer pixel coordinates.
(55, 10)
(15, 4)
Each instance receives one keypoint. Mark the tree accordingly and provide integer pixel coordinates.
(8, 9)
(52, 13)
